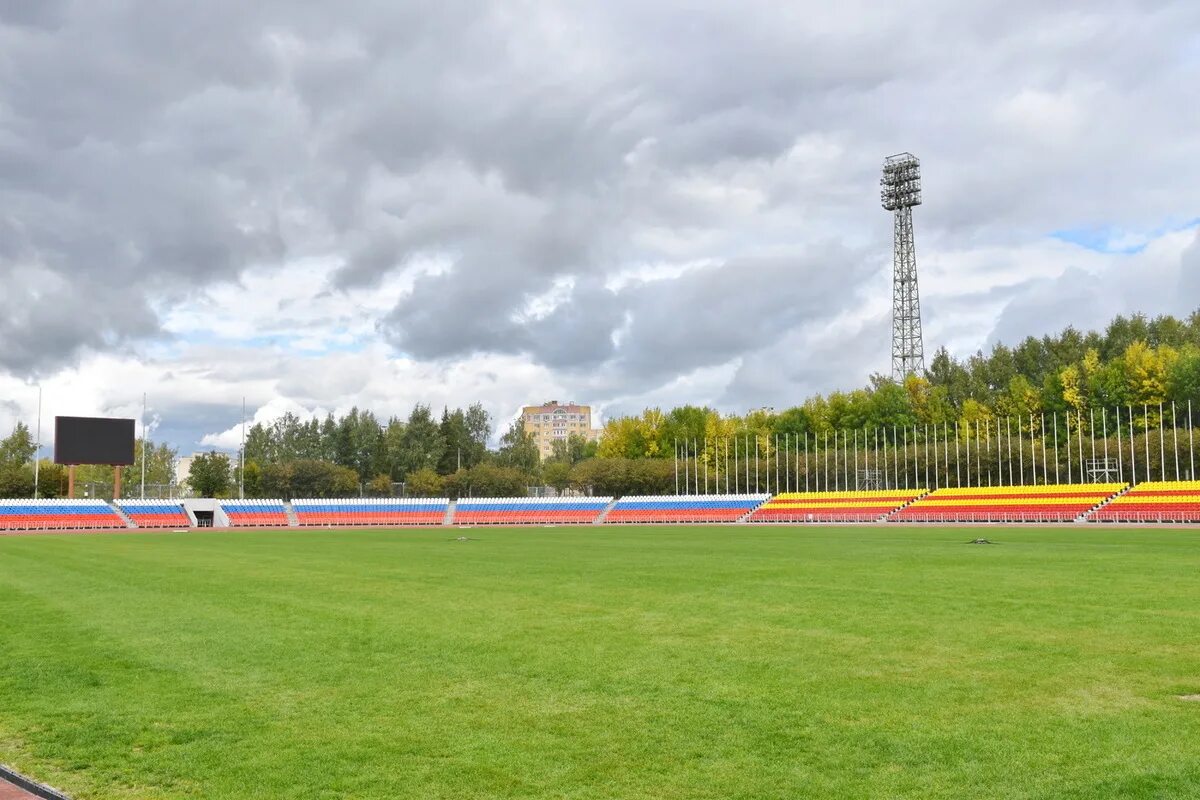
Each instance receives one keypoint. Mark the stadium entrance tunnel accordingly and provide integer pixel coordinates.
(204, 519)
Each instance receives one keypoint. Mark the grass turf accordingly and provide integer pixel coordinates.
(685, 662)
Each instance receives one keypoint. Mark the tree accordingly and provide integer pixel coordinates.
(420, 444)
(18, 447)
(557, 474)
(489, 480)
(424, 482)
(380, 486)
(209, 475)
(518, 449)
(160, 465)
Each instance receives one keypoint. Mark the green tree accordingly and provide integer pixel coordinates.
(380, 486)
(557, 474)
(424, 482)
(18, 447)
(519, 450)
(420, 444)
(210, 475)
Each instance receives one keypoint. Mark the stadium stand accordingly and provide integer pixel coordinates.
(254, 513)
(1157, 501)
(1054, 503)
(528, 510)
(42, 515)
(685, 508)
(865, 506)
(371, 511)
(155, 513)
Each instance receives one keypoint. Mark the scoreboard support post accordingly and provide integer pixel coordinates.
(117, 482)
(71, 481)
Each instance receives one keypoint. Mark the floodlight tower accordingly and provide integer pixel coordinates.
(900, 191)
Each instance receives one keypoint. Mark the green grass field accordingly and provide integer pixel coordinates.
(688, 662)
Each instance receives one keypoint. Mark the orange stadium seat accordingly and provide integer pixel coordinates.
(851, 506)
(1154, 501)
(1052, 503)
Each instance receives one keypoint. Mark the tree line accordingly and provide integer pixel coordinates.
(1069, 381)
(1029, 398)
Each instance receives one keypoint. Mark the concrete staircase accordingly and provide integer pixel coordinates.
(746, 516)
(1087, 514)
(888, 516)
(450, 509)
(604, 513)
(129, 523)
(293, 520)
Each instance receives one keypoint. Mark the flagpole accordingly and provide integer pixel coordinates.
(1175, 438)
(37, 455)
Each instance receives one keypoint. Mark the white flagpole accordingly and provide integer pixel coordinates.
(1146, 434)
(1191, 446)
(1069, 446)
(1079, 441)
(958, 471)
(37, 454)
(1032, 452)
(1175, 438)
(1020, 450)
(1056, 458)
(1008, 436)
(1162, 446)
(144, 442)
(1104, 432)
(675, 442)
(1132, 449)
(1120, 450)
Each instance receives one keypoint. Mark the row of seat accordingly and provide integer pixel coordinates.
(857, 506)
(371, 511)
(255, 513)
(1052, 503)
(155, 513)
(685, 508)
(1170, 501)
(529, 510)
(1157, 501)
(45, 515)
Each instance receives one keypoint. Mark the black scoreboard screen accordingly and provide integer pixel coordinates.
(93, 440)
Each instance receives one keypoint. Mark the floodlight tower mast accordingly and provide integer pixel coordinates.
(900, 191)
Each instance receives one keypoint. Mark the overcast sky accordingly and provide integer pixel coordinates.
(317, 205)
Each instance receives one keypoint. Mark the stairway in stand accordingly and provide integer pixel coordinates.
(120, 512)
(600, 519)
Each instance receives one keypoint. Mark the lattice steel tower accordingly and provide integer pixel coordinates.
(901, 190)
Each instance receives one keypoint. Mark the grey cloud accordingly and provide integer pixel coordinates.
(148, 150)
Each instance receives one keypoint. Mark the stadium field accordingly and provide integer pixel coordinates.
(635, 662)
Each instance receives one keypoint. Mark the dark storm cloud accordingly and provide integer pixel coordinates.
(149, 150)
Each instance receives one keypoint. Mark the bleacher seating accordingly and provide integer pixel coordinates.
(685, 508)
(155, 513)
(254, 513)
(528, 510)
(43, 515)
(371, 511)
(1157, 501)
(1054, 503)
(852, 506)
